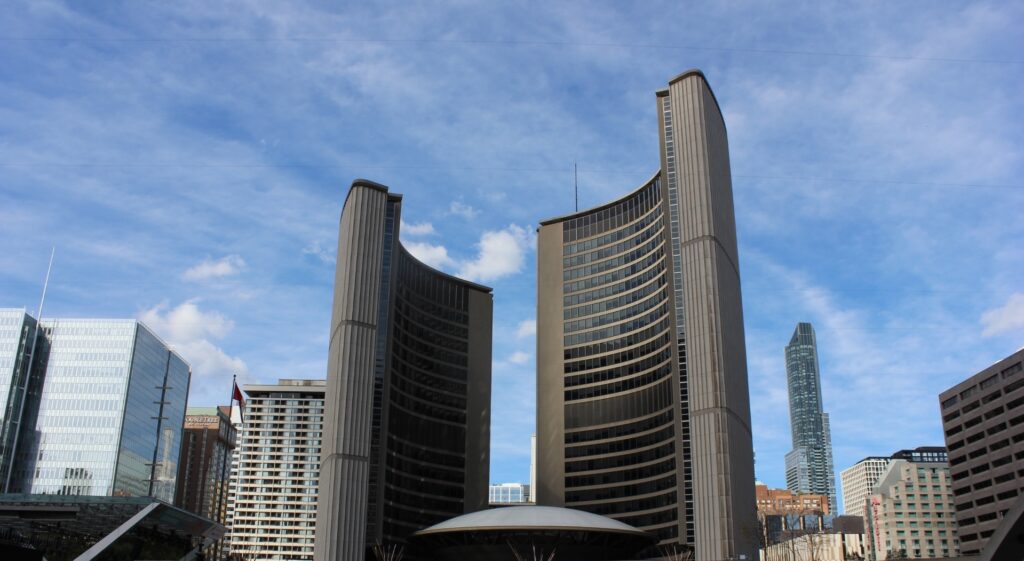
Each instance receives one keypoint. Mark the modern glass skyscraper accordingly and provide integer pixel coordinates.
(102, 414)
(407, 410)
(809, 465)
(643, 410)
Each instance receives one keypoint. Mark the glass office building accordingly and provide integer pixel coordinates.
(103, 412)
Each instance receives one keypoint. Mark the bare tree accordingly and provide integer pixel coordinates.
(392, 552)
(676, 553)
(534, 554)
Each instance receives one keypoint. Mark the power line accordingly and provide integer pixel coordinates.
(509, 43)
(790, 178)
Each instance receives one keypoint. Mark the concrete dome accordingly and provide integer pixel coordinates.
(526, 517)
(506, 533)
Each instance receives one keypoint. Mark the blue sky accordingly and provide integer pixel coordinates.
(189, 161)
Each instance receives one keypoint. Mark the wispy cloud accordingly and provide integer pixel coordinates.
(526, 328)
(461, 209)
(1006, 318)
(417, 229)
(212, 269)
(320, 252)
(519, 357)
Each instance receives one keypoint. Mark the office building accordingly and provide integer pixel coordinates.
(204, 468)
(910, 513)
(809, 465)
(784, 501)
(100, 413)
(408, 388)
(643, 410)
(508, 493)
(983, 420)
(858, 480)
(274, 514)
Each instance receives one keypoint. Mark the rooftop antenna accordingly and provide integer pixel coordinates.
(576, 185)
(28, 369)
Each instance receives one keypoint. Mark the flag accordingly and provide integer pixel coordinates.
(236, 394)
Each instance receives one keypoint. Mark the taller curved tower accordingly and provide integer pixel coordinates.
(406, 440)
(643, 409)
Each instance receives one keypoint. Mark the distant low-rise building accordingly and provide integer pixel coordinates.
(983, 420)
(819, 546)
(508, 493)
(910, 513)
(784, 501)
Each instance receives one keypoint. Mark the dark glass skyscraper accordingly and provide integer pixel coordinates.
(407, 409)
(643, 410)
(809, 465)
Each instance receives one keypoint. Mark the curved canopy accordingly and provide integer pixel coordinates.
(530, 517)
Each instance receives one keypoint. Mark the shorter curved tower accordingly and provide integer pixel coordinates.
(406, 440)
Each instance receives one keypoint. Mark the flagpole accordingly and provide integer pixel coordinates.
(231, 402)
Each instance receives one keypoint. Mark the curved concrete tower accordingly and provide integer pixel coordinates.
(643, 409)
(407, 409)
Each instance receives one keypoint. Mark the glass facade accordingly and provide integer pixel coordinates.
(16, 331)
(620, 442)
(809, 465)
(508, 493)
(103, 414)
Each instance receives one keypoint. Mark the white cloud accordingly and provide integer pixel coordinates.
(318, 251)
(463, 210)
(434, 255)
(209, 269)
(188, 330)
(1006, 318)
(414, 229)
(526, 328)
(501, 253)
(519, 357)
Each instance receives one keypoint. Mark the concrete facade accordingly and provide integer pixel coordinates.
(408, 388)
(858, 480)
(910, 513)
(276, 483)
(643, 410)
(983, 420)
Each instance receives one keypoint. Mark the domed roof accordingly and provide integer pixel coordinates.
(531, 517)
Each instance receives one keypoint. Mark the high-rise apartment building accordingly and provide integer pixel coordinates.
(858, 480)
(100, 412)
(983, 420)
(279, 453)
(204, 469)
(643, 410)
(910, 513)
(809, 465)
(408, 388)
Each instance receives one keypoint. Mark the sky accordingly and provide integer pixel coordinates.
(188, 161)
